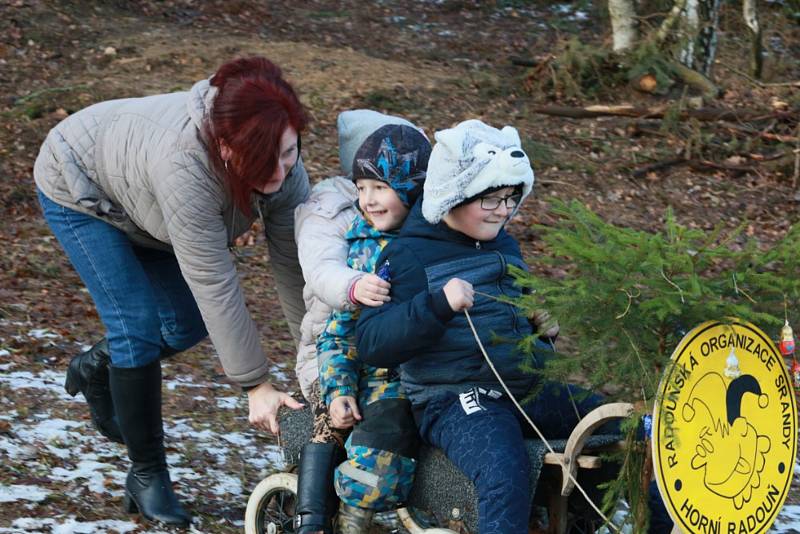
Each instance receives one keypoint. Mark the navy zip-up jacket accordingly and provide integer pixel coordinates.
(417, 329)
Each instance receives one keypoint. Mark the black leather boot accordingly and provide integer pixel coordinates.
(316, 498)
(148, 489)
(88, 373)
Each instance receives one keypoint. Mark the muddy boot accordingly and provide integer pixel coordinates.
(148, 489)
(88, 373)
(353, 520)
(316, 498)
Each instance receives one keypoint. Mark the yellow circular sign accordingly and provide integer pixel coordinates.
(725, 431)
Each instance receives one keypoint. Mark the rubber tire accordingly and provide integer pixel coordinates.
(261, 496)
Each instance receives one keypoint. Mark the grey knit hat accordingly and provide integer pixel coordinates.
(354, 126)
(469, 159)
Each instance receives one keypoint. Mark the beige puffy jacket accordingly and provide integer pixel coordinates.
(141, 165)
(320, 226)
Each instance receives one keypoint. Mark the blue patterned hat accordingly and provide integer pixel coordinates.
(395, 154)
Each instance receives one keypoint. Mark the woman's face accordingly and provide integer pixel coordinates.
(287, 157)
(479, 223)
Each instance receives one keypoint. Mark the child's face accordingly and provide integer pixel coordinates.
(380, 204)
(477, 220)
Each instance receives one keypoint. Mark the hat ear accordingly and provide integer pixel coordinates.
(511, 133)
(451, 140)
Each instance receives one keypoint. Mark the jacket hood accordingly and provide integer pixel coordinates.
(201, 98)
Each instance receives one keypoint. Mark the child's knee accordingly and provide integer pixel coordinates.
(379, 471)
(374, 479)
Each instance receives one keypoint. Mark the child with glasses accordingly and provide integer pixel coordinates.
(452, 255)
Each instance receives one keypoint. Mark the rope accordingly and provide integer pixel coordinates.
(535, 428)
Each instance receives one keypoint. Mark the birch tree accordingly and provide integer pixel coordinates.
(623, 24)
(689, 32)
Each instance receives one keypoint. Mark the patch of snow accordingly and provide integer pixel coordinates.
(18, 492)
(180, 430)
(43, 333)
(278, 373)
(183, 473)
(567, 9)
(228, 403)
(788, 520)
(70, 526)
(189, 382)
(237, 439)
(97, 474)
(270, 457)
(226, 484)
(52, 381)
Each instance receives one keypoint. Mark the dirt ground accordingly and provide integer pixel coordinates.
(434, 61)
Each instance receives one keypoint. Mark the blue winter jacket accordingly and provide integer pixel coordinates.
(417, 329)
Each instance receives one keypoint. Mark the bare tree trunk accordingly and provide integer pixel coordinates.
(688, 29)
(709, 14)
(750, 13)
(696, 32)
(623, 24)
(672, 18)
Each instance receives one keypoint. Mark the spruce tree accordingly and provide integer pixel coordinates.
(626, 298)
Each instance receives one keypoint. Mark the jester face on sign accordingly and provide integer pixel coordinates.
(729, 448)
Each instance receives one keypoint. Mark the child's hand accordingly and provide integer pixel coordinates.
(545, 324)
(371, 290)
(344, 411)
(459, 293)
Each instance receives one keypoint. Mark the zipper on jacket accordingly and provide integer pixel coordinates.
(511, 307)
(478, 245)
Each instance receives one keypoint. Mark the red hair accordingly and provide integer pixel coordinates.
(253, 107)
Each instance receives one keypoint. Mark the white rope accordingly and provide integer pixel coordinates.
(528, 419)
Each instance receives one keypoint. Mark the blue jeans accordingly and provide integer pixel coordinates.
(484, 438)
(140, 294)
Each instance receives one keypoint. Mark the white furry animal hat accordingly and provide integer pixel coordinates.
(469, 159)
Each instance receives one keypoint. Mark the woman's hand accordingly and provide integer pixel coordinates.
(371, 290)
(545, 324)
(460, 294)
(344, 411)
(264, 401)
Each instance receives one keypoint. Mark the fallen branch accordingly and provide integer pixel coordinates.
(641, 172)
(703, 114)
(524, 62)
(770, 162)
(47, 90)
(764, 135)
(758, 82)
(704, 164)
(697, 80)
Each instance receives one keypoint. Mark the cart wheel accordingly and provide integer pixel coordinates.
(271, 506)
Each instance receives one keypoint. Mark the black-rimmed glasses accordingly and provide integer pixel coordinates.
(492, 203)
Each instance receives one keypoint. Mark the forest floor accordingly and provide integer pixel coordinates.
(436, 62)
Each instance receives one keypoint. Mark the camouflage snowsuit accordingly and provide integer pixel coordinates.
(379, 470)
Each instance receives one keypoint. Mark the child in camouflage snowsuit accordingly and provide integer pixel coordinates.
(388, 170)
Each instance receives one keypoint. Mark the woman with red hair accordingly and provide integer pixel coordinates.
(146, 195)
